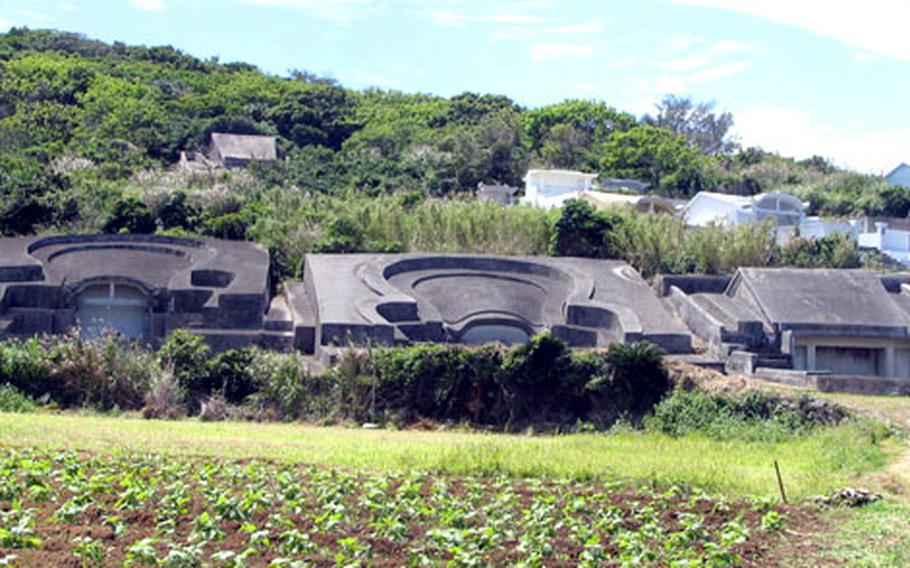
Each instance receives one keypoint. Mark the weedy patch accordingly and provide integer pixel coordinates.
(78, 509)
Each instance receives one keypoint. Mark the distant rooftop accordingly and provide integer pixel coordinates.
(620, 183)
(566, 173)
(245, 146)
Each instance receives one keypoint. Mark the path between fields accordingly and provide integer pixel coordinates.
(894, 479)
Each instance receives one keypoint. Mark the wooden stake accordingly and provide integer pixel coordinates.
(780, 483)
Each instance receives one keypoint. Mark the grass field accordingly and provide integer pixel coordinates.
(812, 464)
(851, 455)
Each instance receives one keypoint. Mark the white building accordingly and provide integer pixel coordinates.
(551, 188)
(899, 176)
(708, 208)
(787, 211)
(893, 242)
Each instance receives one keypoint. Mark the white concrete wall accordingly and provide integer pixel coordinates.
(896, 240)
(895, 243)
(704, 210)
(553, 188)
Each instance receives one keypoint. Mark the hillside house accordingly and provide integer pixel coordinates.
(623, 185)
(552, 188)
(787, 212)
(496, 193)
(708, 208)
(238, 150)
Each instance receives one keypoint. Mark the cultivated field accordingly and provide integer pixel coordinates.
(88, 490)
(70, 508)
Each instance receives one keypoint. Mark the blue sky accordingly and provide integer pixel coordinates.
(801, 77)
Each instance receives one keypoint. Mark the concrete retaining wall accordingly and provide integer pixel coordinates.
(692, 284)
(708, 328)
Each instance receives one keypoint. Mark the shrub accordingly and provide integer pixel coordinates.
(541, 383)
(214, 409)
(230, 373)
(11, 400)
(583, 231)
(637, 372)
(102, 373)
(230, 226)
(439, 382)
(341, 235)
(287, 388)
(833, 251)
(176, 212)
(530, 377)
(129, 215)
(163, 399)
(754, 415)
(24, 365)
(187, 355)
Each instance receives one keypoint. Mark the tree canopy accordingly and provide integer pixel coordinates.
(80, 119)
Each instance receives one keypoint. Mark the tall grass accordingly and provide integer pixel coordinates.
(291, 222)
(812, 464)
(660, 244)
(438, 225)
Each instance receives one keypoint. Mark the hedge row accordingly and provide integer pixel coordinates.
(541, 383)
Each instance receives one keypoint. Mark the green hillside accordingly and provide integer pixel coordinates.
(90, 133)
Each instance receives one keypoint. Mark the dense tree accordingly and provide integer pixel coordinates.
(30, 195)
(318, 114)
(81, 120)
(567, 134)
(696, 122)
(657, 156)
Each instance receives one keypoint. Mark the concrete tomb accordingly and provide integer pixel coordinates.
(833, 329)
(385, 299)
(141, 286)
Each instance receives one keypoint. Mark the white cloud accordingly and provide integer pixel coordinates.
(864, 57)
(586, 28)
(621, 64)
(457, 19)
(697, 62)
(4, 25)
(513, 18)
(532, 32)
(588, 88)
(533, 4)
(448, 17)
(683, 42)
(718, 72)
(795, 132)
(683, 64)
(877, 26)
(546, 51)
(339, 10)
(66, 7)
(152, 5)
(727, 47)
